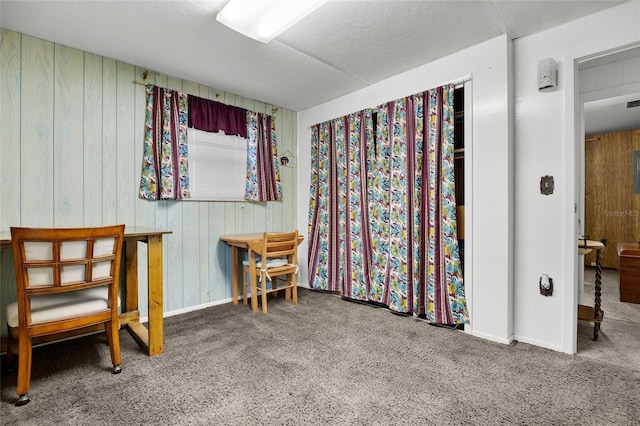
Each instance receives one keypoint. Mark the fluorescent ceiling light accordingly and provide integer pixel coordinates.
(264, 20)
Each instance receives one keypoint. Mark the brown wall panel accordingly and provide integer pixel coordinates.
(612, 210)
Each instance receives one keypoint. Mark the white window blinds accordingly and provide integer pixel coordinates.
(217, 166)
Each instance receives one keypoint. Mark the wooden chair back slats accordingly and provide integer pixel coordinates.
(275, 245)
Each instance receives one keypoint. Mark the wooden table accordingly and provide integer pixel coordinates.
(152, 339)
(587, 313)
(240, 243)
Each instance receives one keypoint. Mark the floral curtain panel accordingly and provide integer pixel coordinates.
(263, 172)
(382, 220)
(165, 169)
(339, 248)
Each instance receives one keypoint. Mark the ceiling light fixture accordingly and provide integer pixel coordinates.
(263, 20)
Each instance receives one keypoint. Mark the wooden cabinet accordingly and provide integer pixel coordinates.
(629, 272)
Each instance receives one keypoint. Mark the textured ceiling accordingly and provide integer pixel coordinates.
(342, 47)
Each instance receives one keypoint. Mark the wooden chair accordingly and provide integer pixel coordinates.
(67, 279)
(278, 253)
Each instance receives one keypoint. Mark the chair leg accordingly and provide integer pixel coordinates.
(245, 297)
(113, 337)
(264, 296)
(287, 291)
(24, 370)
(294, 289)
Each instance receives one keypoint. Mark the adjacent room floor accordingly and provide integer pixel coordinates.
(619, 339)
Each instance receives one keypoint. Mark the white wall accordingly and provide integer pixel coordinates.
(488, 157)
(545, 144)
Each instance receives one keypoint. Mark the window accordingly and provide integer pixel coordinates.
(217, 166)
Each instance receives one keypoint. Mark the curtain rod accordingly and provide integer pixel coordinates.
(460, 81)
(145, 83)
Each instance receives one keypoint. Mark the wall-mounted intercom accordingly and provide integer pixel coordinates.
(547, 74)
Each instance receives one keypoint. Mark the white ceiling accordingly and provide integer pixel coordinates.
(608, 83)
(342, 47)
(611, 114)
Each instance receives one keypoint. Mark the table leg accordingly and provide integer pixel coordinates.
(131, 275)
(254, 283)
(131, 316)
(234, 273)
(150, 338)
(154, 270)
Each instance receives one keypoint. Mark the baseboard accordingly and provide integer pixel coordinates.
(539, 343)
(492, 338)
(202, 306)
(194, 308)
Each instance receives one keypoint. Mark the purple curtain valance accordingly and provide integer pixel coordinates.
(212, 116)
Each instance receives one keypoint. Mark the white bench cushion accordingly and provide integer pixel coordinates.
(272, 263)
(49, 307)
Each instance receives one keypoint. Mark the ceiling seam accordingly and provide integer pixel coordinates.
(497, 18)
(308, 55)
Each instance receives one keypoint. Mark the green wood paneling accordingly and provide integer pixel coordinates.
(109, 136)
(10, 77)
(36, 133)
(68, 133)
(10, 128)
(125, 145)
(71, 153)
(92, 134)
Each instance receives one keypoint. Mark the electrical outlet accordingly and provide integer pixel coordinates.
(546, 285)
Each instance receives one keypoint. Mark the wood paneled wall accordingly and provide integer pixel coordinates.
(71, 153)
(612, 210)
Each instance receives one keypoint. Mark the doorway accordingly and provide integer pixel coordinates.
(606, 82)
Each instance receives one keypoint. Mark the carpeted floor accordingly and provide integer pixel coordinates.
(328, 361)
